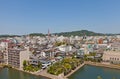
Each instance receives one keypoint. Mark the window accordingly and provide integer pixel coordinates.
(117, 58)
(112, 58)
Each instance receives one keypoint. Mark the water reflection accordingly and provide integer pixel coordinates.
(14, 74)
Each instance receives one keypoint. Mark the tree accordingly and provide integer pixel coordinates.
(39, 64)
(64, 66)
(67, 68)
(24, 63)
(59, 71)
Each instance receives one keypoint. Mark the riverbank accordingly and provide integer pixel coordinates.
(93, 72)
(33, 73)
(73, 71)
(61, 76)
(103, 65)
(10, 73)
(43, 73)
(1, 65)
(112, 66)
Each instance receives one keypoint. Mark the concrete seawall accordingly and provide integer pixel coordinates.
(45, 74)
(1, 66)
(94, 64)
(73, 71)
(103, 65)
(61, 76)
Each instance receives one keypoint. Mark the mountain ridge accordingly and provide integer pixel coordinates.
(72, 33)
(76, 33)
(80, 33)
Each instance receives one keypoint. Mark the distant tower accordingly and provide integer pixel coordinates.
(84, 37)
(48, 32)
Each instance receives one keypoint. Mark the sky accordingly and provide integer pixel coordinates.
(37, 16)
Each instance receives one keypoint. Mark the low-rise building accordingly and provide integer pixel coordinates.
(111, 57)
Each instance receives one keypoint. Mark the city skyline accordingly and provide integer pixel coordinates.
(24, 17)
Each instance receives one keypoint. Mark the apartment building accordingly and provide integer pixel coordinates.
(1, 57)
(17, 56)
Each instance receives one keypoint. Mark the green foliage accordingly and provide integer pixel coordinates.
(64, 66)
(31, 68)
(92, 54)
(39, 65)
(36, 34)
(7, 66)
(59, 43)
(33, 52)
(1, 36)
(24, 63)
(80, 33)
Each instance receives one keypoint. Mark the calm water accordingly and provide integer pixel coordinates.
(92, 72)
(14, 74)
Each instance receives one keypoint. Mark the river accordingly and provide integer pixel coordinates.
(7, 73)
(92, 72)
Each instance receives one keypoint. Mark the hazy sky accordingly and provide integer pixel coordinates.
(28, 16)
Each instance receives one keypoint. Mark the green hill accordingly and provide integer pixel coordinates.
(79, 33)
(73, 33)
(37, 34)
(4, 36)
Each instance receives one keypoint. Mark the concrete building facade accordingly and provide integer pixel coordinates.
(111, 57)
(17, 56)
